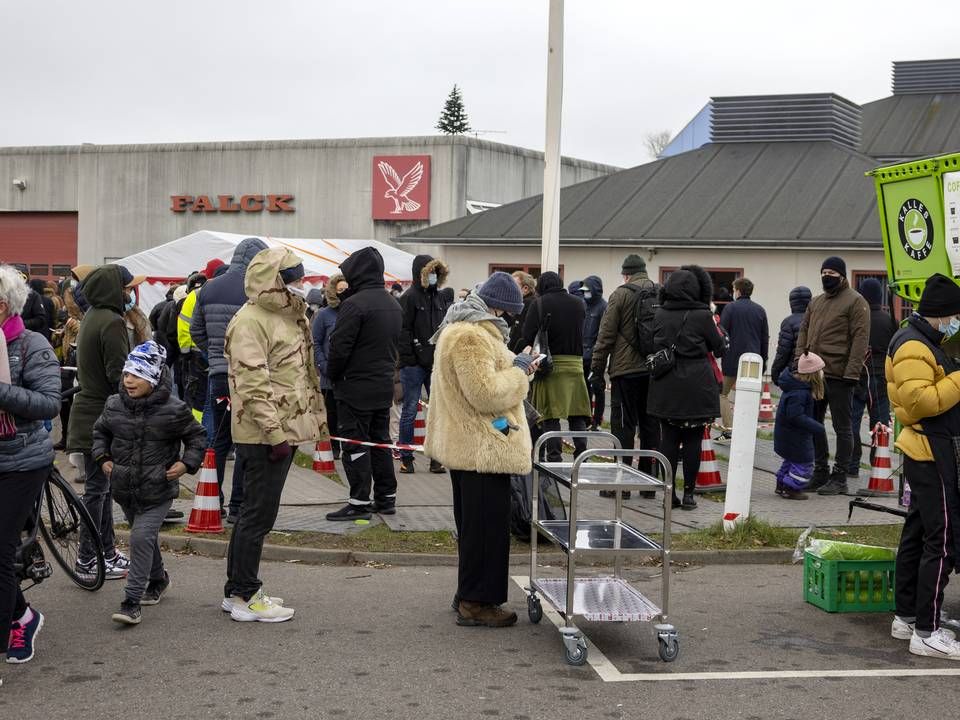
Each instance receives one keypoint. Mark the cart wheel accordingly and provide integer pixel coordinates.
(578, 656)
(669, 648)
(534, 609)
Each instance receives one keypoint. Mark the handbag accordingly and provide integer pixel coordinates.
(665, 360)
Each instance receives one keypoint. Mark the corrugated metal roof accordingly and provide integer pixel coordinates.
(926, 76)
(909, 126)
(764, 194)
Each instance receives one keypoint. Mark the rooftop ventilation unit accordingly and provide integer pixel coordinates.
(926, 76)
(786, 118)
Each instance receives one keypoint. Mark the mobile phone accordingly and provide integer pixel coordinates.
(539, 357)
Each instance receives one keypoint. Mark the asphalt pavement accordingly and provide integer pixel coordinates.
(382, 642)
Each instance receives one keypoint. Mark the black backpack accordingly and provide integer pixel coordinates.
(646, 300)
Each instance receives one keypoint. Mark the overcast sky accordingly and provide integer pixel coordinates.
(135, 71)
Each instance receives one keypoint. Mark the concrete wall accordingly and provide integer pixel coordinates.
(122, 192)
(774, 272)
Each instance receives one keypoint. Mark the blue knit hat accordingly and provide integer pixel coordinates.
(146, 361)
(502, 292)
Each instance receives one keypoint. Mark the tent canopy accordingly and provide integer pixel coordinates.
(172, 262)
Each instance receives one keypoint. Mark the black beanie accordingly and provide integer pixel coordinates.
(633, 264)
(292, 274)
(836, 264)
(941, 297)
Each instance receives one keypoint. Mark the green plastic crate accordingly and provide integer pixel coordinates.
(848, 585)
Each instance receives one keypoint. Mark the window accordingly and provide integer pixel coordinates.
(512, 268)
(61, 271)
(39, 270)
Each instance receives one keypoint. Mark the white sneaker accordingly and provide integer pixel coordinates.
(260, 608)
(938, 645)
(902, 630)
(227, 604)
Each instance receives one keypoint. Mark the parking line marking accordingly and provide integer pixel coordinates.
(608, 672)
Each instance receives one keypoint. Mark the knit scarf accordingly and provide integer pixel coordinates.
(12, 329)
(471, 309)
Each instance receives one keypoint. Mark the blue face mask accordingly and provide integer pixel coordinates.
(951, 328)
(432, 278)
(130, 304)
(587, 294)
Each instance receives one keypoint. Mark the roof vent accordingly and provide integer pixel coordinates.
(786, 118)
(926, 76)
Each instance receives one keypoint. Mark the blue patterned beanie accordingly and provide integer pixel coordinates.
(146, 361)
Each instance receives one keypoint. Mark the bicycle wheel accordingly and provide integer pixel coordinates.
(62, 516)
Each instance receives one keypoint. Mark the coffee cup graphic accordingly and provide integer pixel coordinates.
(917, 236)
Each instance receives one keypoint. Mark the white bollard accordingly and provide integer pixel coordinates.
(736, 507)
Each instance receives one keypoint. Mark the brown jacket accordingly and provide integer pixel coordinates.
(615, 339)
(837, 328)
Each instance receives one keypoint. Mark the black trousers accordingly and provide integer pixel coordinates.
(263, 484)
(554, 448)
(598, 399)
(366, 466)
(481, 502)
(18, 493)
(673, 438)
(628, 416)
(926, 555)
(330, 403)
(219, 390)
(838, 397)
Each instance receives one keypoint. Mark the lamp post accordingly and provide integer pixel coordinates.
(550, 248)
(736, 506)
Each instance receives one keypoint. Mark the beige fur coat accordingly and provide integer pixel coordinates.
(473, 382)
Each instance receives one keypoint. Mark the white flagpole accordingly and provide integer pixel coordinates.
(550, 250)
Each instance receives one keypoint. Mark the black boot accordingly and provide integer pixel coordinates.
(675, 501)
(688, 502)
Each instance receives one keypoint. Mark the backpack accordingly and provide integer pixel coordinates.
(645, 303)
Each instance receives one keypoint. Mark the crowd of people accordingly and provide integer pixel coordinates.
(242, 359)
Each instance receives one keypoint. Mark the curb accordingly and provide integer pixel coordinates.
(320, 556)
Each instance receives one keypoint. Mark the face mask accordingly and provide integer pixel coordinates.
(129, 305)
(587, 294)
(951, 328)
(831, 282)
(298, 291)
(432, 278)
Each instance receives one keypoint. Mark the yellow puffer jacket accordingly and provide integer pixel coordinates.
(918, 388)
(474, 382)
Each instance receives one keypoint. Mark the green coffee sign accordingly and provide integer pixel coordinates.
(911, 210)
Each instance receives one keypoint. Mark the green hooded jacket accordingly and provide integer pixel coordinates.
(102, 349)
(274, 387)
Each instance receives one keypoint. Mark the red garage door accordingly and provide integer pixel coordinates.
(42, 244)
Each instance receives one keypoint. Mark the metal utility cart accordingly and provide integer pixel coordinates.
(599, 599)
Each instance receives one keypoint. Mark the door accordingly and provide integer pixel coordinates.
(41, 244)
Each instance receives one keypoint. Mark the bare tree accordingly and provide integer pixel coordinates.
(656, 142)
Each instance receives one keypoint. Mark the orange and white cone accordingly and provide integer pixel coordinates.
(881, 469)
(323, 458)
(708, 479)
(205, 516)
(420, 426)
(766, 405)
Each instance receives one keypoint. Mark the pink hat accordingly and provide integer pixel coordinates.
(810, 363)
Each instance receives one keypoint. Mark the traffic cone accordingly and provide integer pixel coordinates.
(766, 405)
(708, 479)
(881, 471)
(205, 516)
(420, 426)
(323, 458)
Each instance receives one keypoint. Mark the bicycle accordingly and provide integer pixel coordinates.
(58, 516)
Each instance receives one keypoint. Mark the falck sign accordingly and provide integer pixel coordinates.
(401, 187)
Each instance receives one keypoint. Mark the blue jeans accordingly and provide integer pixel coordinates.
(207, 420)
(873, 397)
(413, 379)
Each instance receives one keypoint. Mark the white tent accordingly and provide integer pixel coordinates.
(175, 260)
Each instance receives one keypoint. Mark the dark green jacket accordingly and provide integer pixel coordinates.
(102, 348)
(617, 330)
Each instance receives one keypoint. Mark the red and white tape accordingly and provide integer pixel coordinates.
(383, 446)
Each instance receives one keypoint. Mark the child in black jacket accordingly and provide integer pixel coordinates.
(136, 440)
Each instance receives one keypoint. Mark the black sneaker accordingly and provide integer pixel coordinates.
(129, 614)
(155, 589)
(385, 508)
(406, 466)
(437, 467)
(835, 486)
(350, 512)
(818, 480)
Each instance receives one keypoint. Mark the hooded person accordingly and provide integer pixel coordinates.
(424, 306)
(316, 299)
(102, 347)
(277, 405)
(34, 313)
(923, 382)
(799, 299)
(322, 328)
(836, 327)
(360, 363)
(157, 310)
(686, 396)
(39, 287)
(591, 290)
(477, 427)
(576, 289)
(562, 393)
(215, 307)
(871, 392)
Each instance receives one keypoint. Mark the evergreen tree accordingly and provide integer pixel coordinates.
(453, 119)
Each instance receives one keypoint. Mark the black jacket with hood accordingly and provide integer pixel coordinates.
(424, 307)
(363, 346)
(596, 307)
(565, 327)
(689, 392)
(219, 301)
(789, 329)
(102, 348)
(34, 313)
